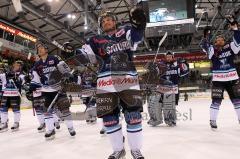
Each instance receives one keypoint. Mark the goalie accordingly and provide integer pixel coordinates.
(162, 103)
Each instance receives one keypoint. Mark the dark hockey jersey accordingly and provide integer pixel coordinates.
(223, 67)
(43, 69)
(12, 83)
(117, 48)
(175, 70)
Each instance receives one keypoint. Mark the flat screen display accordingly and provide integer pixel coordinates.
(167, 10)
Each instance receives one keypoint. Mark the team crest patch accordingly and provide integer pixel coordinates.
(120, 33)
(51, 62)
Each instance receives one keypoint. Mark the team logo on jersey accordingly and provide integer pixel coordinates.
(171, 72)
(48, 69)
(225, 54)
(117, 47)
(120, 33)
(117, 81)
(51, 62)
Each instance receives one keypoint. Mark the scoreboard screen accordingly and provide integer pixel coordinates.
(168, 10)
(165, 10)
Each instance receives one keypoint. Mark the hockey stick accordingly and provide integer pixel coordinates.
(12, 81)
(159, 45)
(53, 102)
(155, 57)
(33, 109)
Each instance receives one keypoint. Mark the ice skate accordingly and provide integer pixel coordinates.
(118, 155)
(15, 126)
(3, 127)
(50, 135)
(137, 154)
(72, 132)
(213, 124)
(57, 125)
(93, 120)
(41, 128)
(153, 122)
(171, 123)
(102, 131)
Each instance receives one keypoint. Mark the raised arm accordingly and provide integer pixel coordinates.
(235, 44)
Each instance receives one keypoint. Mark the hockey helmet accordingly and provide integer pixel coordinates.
(41, 43)
(169, 53)
(68, 50)
(104, 15)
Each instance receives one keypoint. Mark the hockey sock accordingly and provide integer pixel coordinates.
(67, 119)
(69, 123)
(17, 116)
(103, 127)
(116, 140)
(134, 129)
(134, 134)
(214, 109)
(55, 117)
(40, 118)
(114, 131)
(49, 121)
(236, 103)
(4, 117)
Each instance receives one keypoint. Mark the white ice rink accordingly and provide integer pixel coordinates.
(191, 139)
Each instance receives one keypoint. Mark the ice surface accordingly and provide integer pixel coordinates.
(191, 139)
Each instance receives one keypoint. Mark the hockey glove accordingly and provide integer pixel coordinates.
(138, 18)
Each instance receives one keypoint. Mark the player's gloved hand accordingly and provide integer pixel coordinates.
(232, 21)
(138, 18)
(67, 78)
(28, 78)
(207, 31)
(29, 95)
(234, 26)
(26, 87)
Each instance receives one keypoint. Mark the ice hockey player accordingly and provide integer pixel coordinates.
(224, 74)
(12, 81)
(36, 98)
(118, 79)
(163, 102)
(41, 72)
(87, 82)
